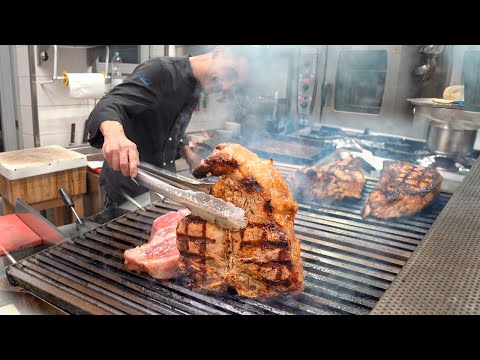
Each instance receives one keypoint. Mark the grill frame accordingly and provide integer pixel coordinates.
(348, 264)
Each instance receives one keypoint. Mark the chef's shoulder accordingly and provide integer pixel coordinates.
(155, 72)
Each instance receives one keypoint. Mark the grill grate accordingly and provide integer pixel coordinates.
(348, 264)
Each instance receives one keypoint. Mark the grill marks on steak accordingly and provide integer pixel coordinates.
(338, 180)
(262, 260)
(404, 190)
(159, 257)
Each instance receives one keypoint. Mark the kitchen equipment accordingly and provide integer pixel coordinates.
(72, 134)
(284, 148)
(68, 202)
(201, 204)
(453, 115)
(446, 139)
(431, 103)
(132, 200)
(348, 264)
(368, 85)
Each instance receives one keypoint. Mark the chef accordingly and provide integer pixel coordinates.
(145, 117)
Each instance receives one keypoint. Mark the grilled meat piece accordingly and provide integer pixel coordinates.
(338, 180)
(159, 257)
(261, 261)
(404, 190)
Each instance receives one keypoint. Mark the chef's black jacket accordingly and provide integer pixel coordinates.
(154, 104)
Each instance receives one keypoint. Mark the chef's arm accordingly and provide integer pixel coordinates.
(107, 119)
(119, 152)
(191, 158)
(106, 127)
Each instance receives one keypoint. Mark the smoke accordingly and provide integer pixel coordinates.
(260, 105)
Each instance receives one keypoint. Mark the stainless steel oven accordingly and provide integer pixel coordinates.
(366, 87)
(352, 86)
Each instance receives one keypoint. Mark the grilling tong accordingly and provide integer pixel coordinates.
(191, 193)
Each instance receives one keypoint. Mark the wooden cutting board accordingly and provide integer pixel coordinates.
(15, 235)
(38, 161)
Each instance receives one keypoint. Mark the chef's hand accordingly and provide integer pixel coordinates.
(119, 152)
(190, 157)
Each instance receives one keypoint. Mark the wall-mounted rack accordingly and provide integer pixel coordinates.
(43, 48)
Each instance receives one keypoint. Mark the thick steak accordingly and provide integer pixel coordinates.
(338, 180)
(262, 260)
(159, 257)
(404, 190)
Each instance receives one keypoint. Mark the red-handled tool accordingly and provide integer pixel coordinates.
(69, 202)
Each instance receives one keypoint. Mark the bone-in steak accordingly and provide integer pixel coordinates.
(340, 179)
(159, 257)
(262, 260)
(404, 190)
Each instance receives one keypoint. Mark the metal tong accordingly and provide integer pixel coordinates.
(177, 180)
(199, 202)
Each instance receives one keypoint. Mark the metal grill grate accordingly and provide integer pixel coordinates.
(348, 264)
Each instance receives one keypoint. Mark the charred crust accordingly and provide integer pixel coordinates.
(196, 240)
(284, 283)
(395, 188)
(193, 219)
(214, 165)
(250, 185)
(199, 258)
(271, 264)
(265, 244)
(272, 227)
(268, 207)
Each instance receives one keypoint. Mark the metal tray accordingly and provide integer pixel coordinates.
(429, 102)
(290, 149)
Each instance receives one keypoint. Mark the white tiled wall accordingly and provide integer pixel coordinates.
(25, 101)
(24, 90)
(69, 59)
(55, 94)
(56, 109)
(22, 61)
(26, 118)
(27, 141)
(55, 123)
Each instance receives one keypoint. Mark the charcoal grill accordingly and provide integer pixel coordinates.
(348, 264)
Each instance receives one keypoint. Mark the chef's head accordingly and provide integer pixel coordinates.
(226, 69)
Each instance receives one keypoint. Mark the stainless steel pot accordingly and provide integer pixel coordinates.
(445, 140)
